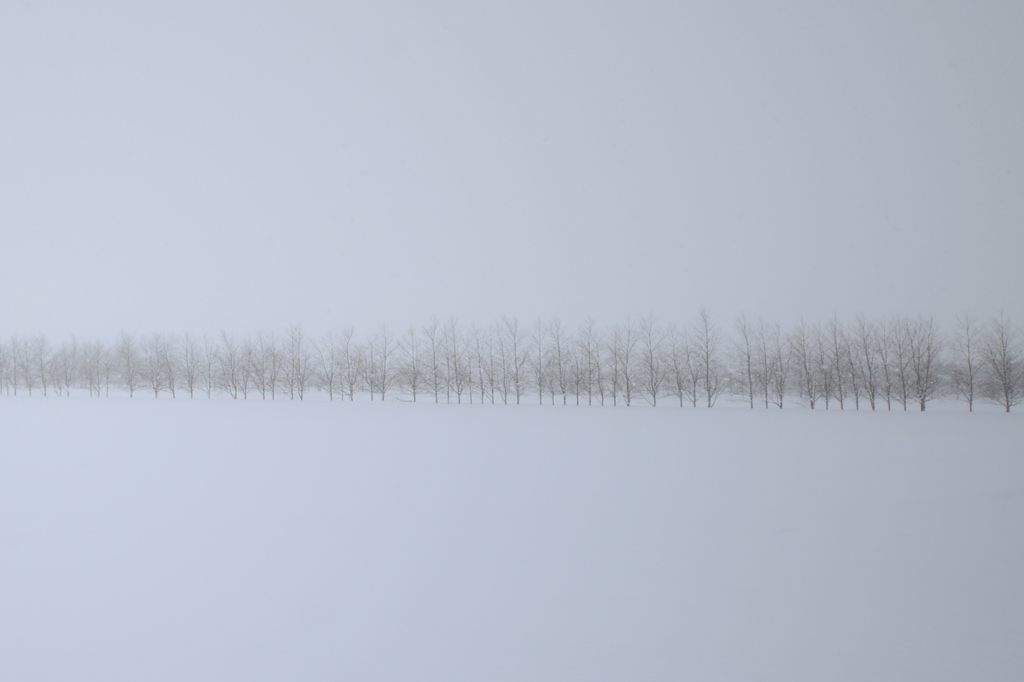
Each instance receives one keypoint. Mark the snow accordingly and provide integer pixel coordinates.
(223, 540)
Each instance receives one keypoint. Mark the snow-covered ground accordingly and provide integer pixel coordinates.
(178, 540)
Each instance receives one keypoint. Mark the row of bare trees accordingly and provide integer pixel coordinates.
(901, 362)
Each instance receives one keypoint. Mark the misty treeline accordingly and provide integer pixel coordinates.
(901, 363)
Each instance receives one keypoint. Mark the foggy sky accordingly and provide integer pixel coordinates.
(208, 165)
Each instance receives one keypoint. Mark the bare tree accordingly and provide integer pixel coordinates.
(516, 356)
(808, 366)
(883, 351)
(152, 364)
(577, 369)
(744, 358)
(251, 358)
(65, 366)
(129, 365)
(191, 363)
(707, 346)
(538, 358)
(483, 347)
(456, 365)
(97, 368)
(348, 359)
(326, 361)
(678, 353)
(623, 352)
(110, 370)
(228, 364)
(899, 338)
(835, 358)
(559, 360)
(5, 368)
(171, 363)
(781, 352)
(371, 367)
(208, 371)
(299, 369)
(21, 354)
(764, 368)
(1004, 360)
(434, 333)
(826, 371)
(853, 368)
(653, 371)
(39, 363)
(8, 369)
(925, 345)
(503, 377)
(412, 373)
(383, 350)
(967, 359)
(268, 362)
(589, 348)
(362, 367)
(866, 343)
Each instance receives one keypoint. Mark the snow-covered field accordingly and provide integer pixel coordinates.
(178, 540)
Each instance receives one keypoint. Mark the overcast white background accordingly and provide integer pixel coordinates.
(208, 165)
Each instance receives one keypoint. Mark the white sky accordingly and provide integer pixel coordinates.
(208, 165)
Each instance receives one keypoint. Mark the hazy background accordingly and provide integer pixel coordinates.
(208, 165)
